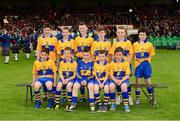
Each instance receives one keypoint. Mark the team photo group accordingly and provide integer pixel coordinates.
(93, 65)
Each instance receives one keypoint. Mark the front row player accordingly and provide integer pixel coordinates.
(44, 74)
(101, 72)
(119, 73)
(67, 73)
(85, 78)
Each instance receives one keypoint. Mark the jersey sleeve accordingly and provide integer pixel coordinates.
(75, 67)
(112, 49)
(107, 70)
(39, 45)
(151, 50)
(130, 47)
(59, 48)
(111, 69)
(92, 48)
(34, 68)
(127, 71)
(54, 68)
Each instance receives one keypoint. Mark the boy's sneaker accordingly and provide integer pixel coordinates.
(100, 108)
(71, 108)
(104, 109)
(130, 100)
(137, 102)
(113, 106)
(37, 104)
(67, 107)
(50, 104)
(92, 109)
(126, 108)
(118, 100)
(57, 106)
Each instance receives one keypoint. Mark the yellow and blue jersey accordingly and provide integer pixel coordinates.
(44, 69)
(126, 45)
(101, 71)
(49, 43)
(63, 44)
(100, 45)
(119, 70)
(143, 52)
(67, 69)
(81, 43)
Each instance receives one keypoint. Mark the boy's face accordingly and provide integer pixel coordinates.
(65, 33)
(67, 54)
(86, 56)
(101, 34)
(142, 36)
(102, 57)
(121, 32)
(47, 31)
(83, 29)
(44, 56)
(118, 55)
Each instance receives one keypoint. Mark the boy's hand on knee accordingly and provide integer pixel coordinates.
(101, 86)
(32, 85)
(83, 83)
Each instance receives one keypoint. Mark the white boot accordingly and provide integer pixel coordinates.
(130, 100)
(6, 59)
(16, 57)
(27, 55)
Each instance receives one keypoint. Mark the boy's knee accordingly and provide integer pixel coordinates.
(96, 89)
(124, 87)
(111, 87)
(69, 87)
(106, 89)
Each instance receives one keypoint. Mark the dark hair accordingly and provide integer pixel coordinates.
(68, 49)
(82, 23)
(119, 49)
(143, 30)
(45, 50)
(86, 50)
(47, 25)
(101, 52)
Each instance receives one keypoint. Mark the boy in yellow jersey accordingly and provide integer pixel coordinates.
(47, 40)
(101, 44)
(124, 43)
(143, 53)
(101, 72)
(67, 73)
(85, 78)
(119, 73)
(83, 41)
(65, 41)
(44, 73)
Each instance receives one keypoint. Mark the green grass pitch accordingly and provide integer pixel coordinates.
(166, 70)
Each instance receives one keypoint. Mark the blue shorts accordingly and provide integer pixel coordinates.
(106, 83)
(125, 81)
(72, 81)
(143, 70)
(44, 80)
(88, 81)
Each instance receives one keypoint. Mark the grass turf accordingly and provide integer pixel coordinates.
(165, 64)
